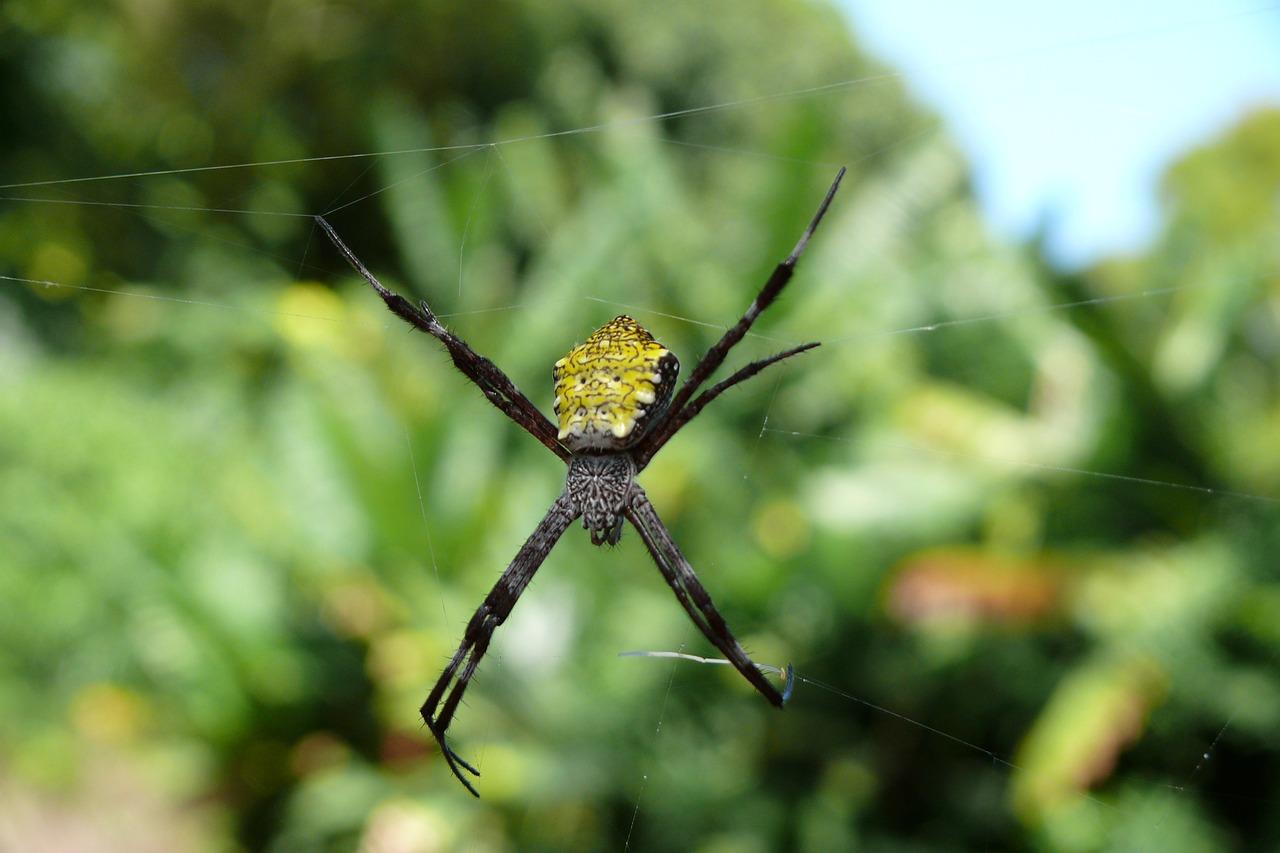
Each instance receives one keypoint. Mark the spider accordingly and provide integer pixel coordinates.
(617, 406)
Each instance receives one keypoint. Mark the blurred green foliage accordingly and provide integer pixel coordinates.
(246, 513)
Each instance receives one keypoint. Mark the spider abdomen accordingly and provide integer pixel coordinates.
(607, 386)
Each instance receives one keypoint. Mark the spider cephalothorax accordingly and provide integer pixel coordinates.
(617, 405)
(598, 487)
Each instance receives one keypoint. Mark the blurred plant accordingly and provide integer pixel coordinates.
(239, 537)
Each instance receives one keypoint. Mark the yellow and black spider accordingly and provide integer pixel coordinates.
(617, 406)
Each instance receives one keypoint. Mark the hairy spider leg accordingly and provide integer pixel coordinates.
(486, 375)
(744, 373)
(693, 595)
(492, 612)
(676, 415)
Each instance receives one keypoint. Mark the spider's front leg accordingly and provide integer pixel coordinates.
(474, 644)
(694, 597)
(493, 612)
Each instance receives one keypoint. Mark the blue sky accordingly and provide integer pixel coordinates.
(1070, 111)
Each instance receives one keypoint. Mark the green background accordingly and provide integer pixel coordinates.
(245, 513)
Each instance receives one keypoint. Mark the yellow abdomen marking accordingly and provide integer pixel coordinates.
(606, 385)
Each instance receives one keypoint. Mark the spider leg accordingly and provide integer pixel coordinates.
(715, 356)
(693, 596)
(691, 411)
(486, 375)
(493, 611)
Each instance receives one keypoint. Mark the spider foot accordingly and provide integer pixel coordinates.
(789, 674)
(456, 762)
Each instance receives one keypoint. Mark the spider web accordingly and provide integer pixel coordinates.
(782, 420)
